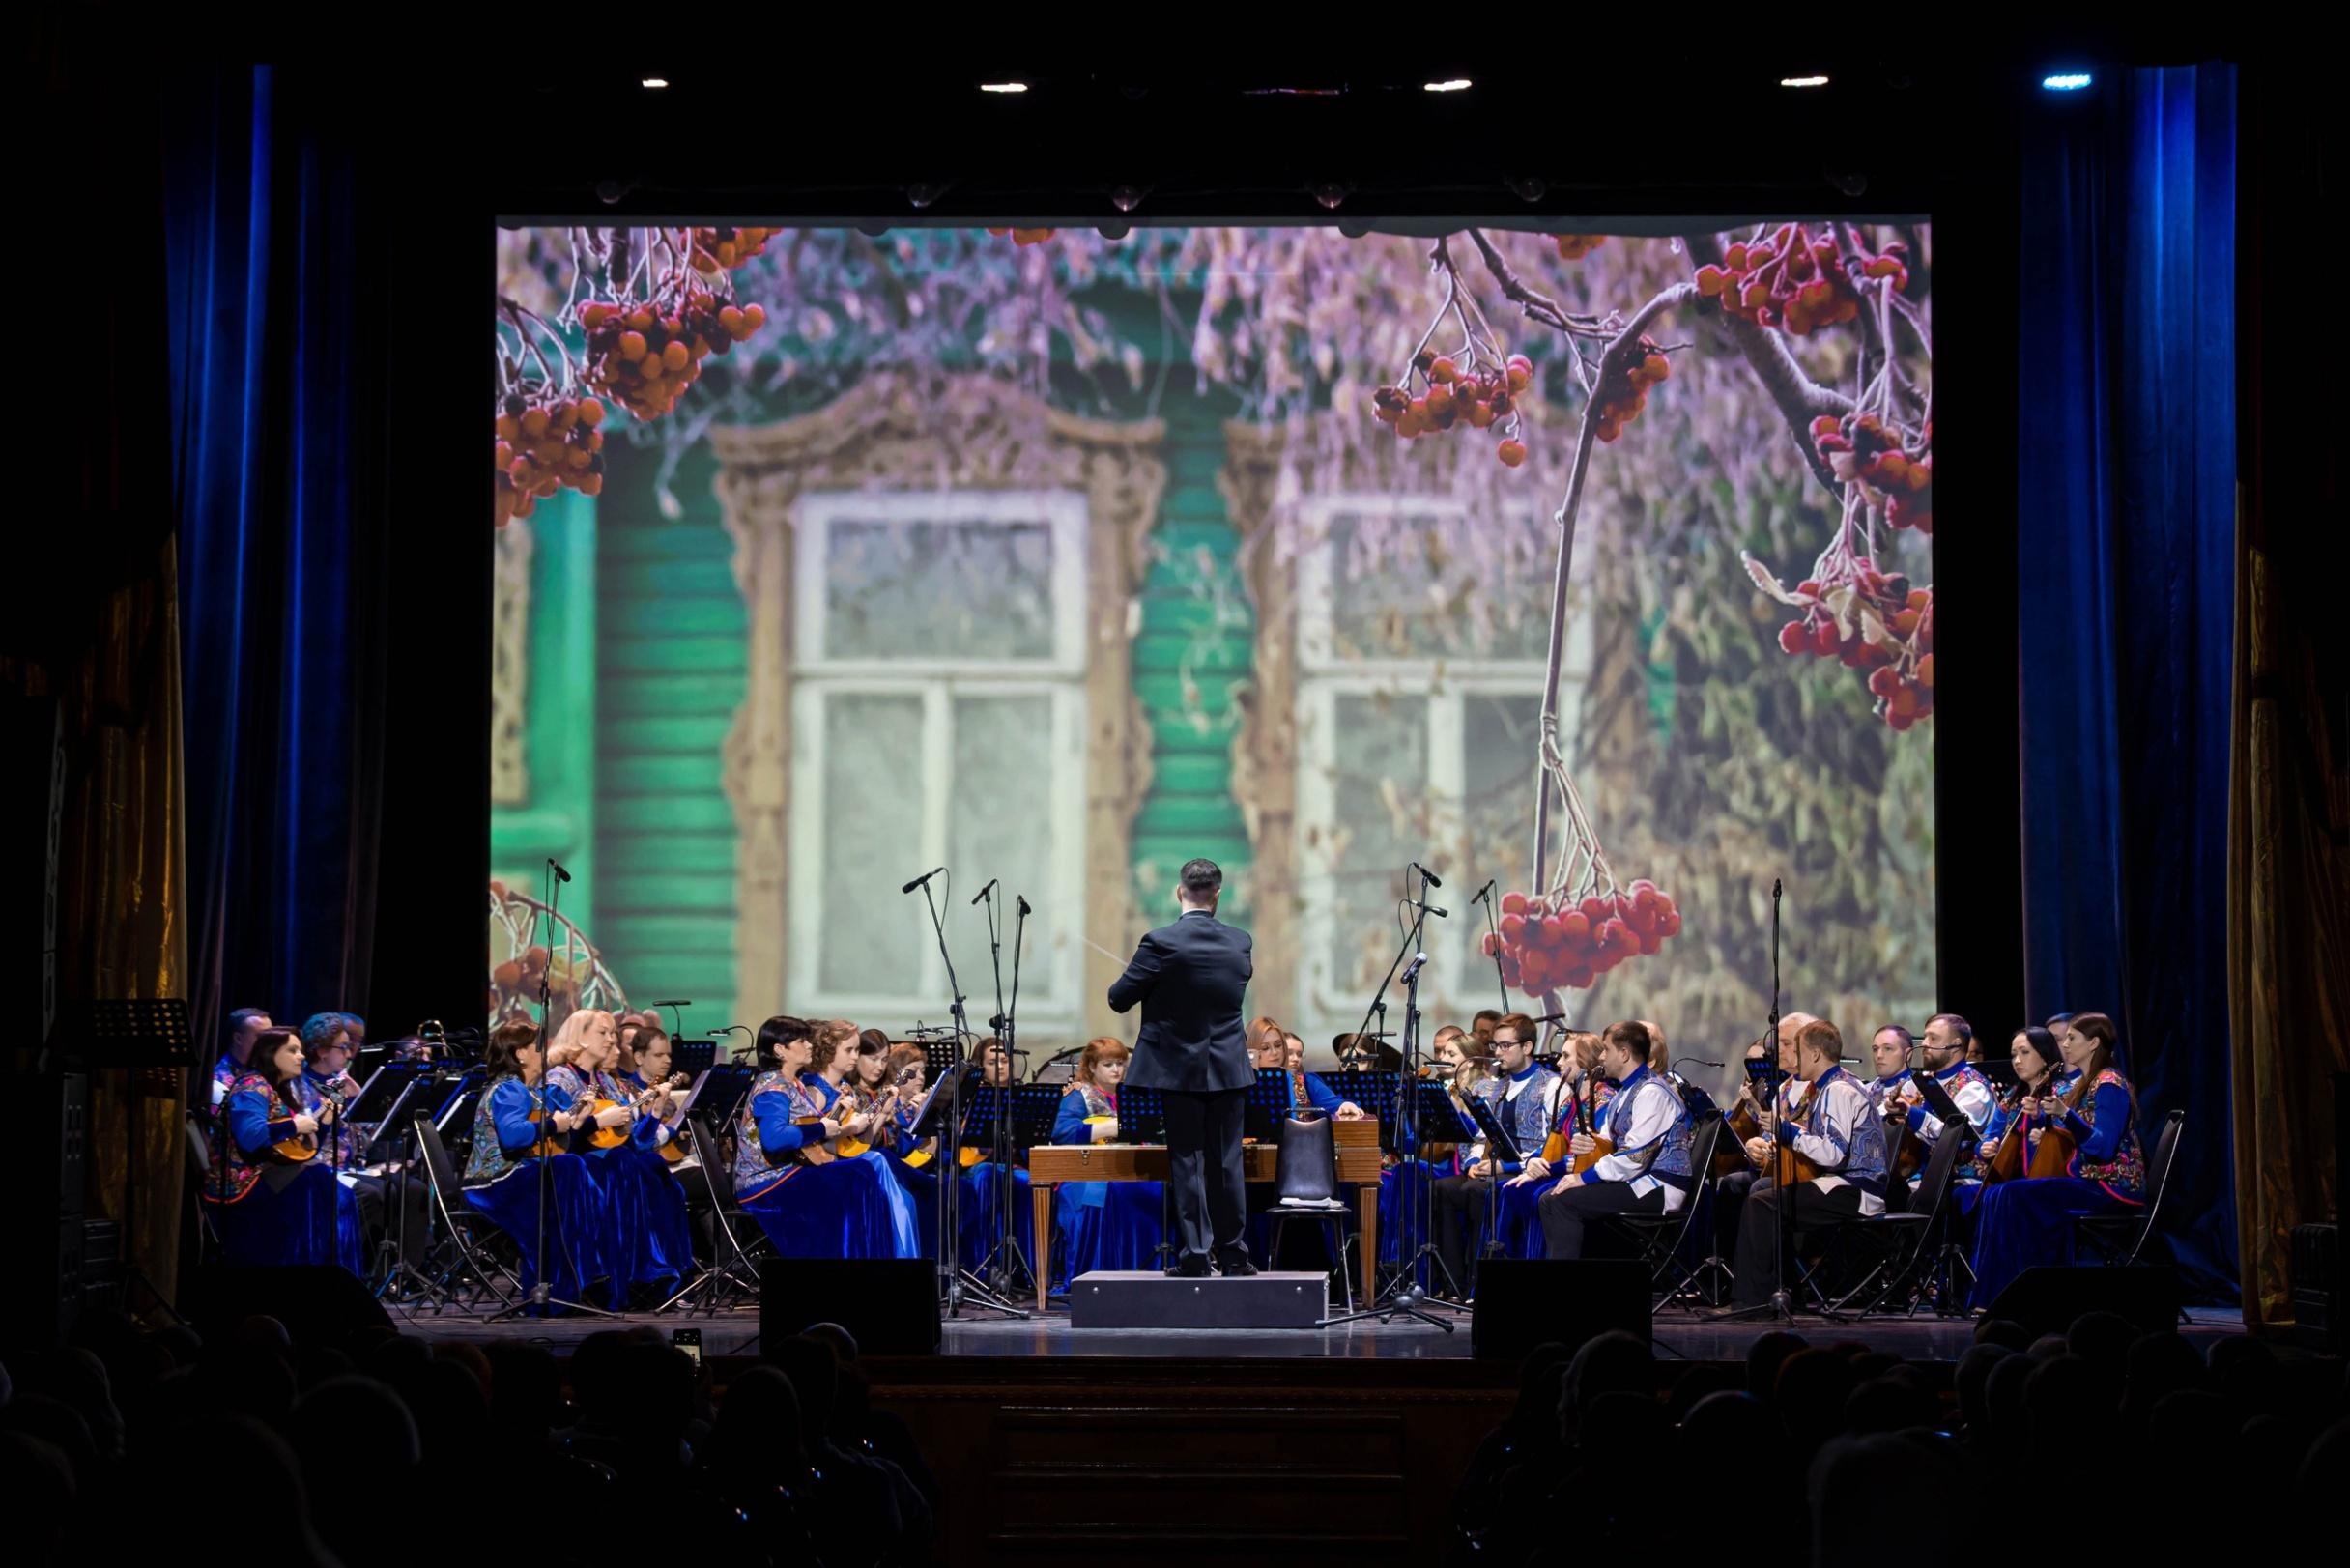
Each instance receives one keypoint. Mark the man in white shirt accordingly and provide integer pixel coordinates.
(1823, 1115)
(1948, 1039)
(1646, 1170)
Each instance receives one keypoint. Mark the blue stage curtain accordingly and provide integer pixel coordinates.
(2126, 424)
(275, 297)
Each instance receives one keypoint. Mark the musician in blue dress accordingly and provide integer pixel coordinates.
(521, 1123)
(1101, 1224)
(272, 1199)
(985, 1166)
(326, 1089)
(809, 1201)
(912, 1160)
(2029, 1219)
(650, 1240)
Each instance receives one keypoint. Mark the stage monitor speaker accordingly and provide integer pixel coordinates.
(2046, 1299)
(319, 1303)
(889, 1305)
(1522, 1302)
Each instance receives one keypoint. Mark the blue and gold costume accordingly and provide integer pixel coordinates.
(1101, 1224)
(1521, 1230)
(2029, 1220)
(1646, 1170)
(268, 1210)
(844, 1207)
(648, 1241)
(503, 1181)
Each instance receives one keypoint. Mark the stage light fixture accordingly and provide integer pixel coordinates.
(873, 230)
(1113, 231)
(1353, 231)
(1803, 81)
(655, 82)
(1527, 188)
(922, 193)
(1125, 198)
(1450, 85)
(1847, 182)
(2066, 81)
(1328, 192)
(1003, 87)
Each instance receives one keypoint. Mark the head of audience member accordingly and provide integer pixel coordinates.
(1729, 1421)
(994, 1062)
(1948, 1039)
(1513, 1045)
(872, 1058)
(1889, 1051)
(244, 1026)
(1293, 1053)
(815, 1373)
(844, 1343)
(1624, 1048)
(1198, 886)
(326, 1044)
(756, 1444)
(1813, 1388)
(1104, 1064)
(1861, 1494)
(785, 1044)
(1765, 1355)
(1609, 1363)
(2156, 1366)
(1972, 1378)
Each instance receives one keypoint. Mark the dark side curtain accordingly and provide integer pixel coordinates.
(275, 297)
(2127, 495)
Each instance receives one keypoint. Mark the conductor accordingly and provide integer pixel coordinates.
(1189, 978)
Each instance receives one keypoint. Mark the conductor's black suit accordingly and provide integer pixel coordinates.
(1191, 978)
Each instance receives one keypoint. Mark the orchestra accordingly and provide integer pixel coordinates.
(574, 1147)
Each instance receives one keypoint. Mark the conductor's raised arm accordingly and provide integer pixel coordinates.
(1141, 973)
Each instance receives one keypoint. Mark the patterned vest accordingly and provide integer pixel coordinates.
(1864, 1162)
(1097, 1102)
(1671, 1165)
(241, 1172)
(753, 1171)
(2125, 1174)
(310, 1094)
(487, 1160)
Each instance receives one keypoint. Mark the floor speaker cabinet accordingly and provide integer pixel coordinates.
(889, 1305)
(2045, 1301)
(2320, 1293)
(1522, 1302)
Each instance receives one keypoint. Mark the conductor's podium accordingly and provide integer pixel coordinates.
(1148, 1298)
(1052, 1163)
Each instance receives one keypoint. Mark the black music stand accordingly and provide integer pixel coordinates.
(1268, 1106)
(142, 1034)
(1142, 1114)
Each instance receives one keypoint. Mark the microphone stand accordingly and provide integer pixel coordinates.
(1484, 896)
(541, 1296)
(1402, 1295)
(1493, 1195)
(956, 1288)
(1006, 1265)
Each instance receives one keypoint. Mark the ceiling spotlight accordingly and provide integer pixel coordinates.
(1451, 84)
(1329, 193)
(655, 82)
(873, 230)
(1125, 198)
(923, 193)
(1353, 231)
(2068, 81)
(1847, 182)
(610, 191)
(1113, 231)
(1527, 188)
(1803, 81)
(1003, 87)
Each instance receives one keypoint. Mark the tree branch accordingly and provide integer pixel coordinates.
(1536, 306)
(1799, 398)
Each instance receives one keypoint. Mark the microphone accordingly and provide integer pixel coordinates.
(1413, 968)
(561, 875)
(1023, 903)
(1554, 1017)
(1774, 886)
(919, 881)
(1430, 908)
(1484, 892)
(1429, 878)
(1696, 1061)
(984, 892)
(681, 1002)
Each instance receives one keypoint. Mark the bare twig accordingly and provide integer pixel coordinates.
(1537, 305)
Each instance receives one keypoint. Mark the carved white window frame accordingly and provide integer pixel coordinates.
(1460, 978)
(817, 677)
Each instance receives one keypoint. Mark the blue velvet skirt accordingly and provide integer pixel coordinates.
(847, 1209)
(1404, 1210)
(575, 1222)
(293, 1216)
(2029, 1222)
(1521, 1226)
(921, 1185)
(637, 1205)
(1105, 1225)
(981, 1226)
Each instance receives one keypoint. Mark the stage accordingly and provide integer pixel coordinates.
(1677, 1335)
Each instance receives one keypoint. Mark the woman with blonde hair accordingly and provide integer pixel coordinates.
(1101, 1224)
(650, 1244)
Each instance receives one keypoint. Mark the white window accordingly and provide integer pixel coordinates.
(1419, 697)
(938, 718)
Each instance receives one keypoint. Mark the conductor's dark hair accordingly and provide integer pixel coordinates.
(1958, 1026)
(1202, 878)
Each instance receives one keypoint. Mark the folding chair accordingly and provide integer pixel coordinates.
(199, 1173)
(734, 1273)
(2119, 1238)
(1912, 1251)
(1660, 1237)
(466, 1257)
